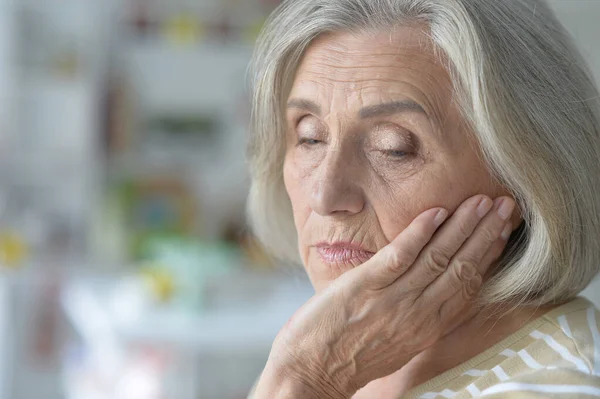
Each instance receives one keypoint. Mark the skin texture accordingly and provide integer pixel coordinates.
(408, 187)
(348, 186)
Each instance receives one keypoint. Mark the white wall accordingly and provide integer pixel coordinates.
(7, 64)
(6, 73)
(581, 19)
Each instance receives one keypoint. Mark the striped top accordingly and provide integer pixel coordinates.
(554, 356)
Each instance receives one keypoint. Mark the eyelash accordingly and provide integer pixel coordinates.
(307, 142)
(396, 154)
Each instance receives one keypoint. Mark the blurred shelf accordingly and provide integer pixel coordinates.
(245, 327)
(233, 330)
(206, 78)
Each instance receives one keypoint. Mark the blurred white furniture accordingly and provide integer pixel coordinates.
(215, 354)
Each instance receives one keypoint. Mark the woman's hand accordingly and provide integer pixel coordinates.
(375, 318)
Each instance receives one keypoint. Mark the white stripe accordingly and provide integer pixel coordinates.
(446, 393)
(475, 373)
(591, 316)
(500, 373)
(562, 320)
(473, 390)
(561, 350)
(529, 361)
(508, 353)
(552, 389)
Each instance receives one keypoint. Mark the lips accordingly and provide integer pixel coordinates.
(343, 254)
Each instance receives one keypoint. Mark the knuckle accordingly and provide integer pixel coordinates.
(396, 262)
(464, 229)
(437, 261)
(463, 272)
(489, 235)
(455, 281)
(472, 287)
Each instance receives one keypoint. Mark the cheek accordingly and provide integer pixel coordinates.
(295, 185)
(406, 200)
(436, 186)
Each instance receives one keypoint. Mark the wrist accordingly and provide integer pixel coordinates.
(277, 382)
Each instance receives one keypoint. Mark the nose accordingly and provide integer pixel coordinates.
(336, 187)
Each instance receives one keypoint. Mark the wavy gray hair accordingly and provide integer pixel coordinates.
(526, 94)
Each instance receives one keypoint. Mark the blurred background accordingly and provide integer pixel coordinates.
(126, 267)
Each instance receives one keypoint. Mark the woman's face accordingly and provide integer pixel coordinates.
(373, 140)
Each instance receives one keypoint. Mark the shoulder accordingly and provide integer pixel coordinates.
(547, 383)
(577, 327)
(562, 358)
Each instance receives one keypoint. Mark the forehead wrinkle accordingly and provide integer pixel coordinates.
(333, 62)
(430, 103)
(368, 80)
(369, 59)
(366, 73)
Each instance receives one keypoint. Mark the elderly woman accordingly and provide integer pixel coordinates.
(434, 165)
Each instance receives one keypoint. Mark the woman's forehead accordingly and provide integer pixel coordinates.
(367, 68)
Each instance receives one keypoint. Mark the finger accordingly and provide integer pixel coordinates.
(435, 257)
(468, 262)
(458, 277)
(392, 261)
(497, 249)
(452, 312)
(489, 230)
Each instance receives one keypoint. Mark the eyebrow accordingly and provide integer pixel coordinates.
(305, 105)
(371, 111)
(392, 108)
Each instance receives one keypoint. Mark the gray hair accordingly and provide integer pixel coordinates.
(526, 94)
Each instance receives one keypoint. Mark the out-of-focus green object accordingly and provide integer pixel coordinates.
(180, 270)
(156, 208)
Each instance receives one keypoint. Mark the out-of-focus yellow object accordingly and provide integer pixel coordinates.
(161, 283)
(183, 30)
(253, 30)
(13, 250)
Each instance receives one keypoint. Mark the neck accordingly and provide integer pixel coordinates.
(480, 332)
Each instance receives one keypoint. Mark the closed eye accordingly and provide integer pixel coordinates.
(396, 153)
(308, 142)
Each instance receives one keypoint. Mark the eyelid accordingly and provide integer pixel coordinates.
(407, 138)
(302, 117)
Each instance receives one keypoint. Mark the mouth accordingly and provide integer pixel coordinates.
(343, 253)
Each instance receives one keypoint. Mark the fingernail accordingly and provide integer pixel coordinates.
(505, 209)
(440, 217)
(506, 232)
(484, 207)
